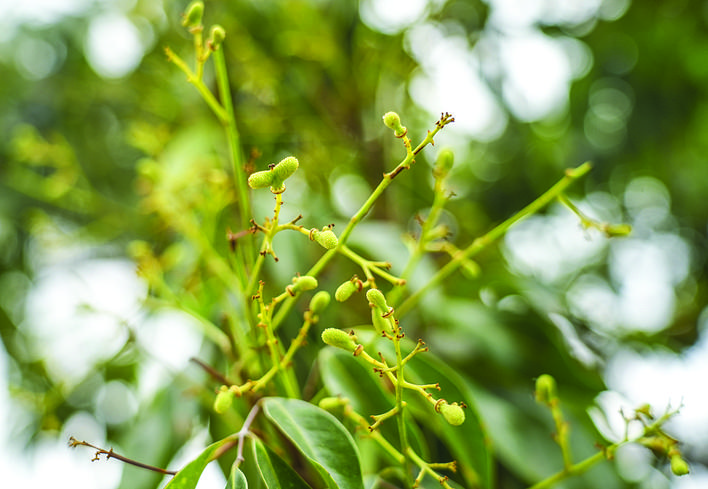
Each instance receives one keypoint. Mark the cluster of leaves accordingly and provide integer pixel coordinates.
(190, 200)
(261, 365)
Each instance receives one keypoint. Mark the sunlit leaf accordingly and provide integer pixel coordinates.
(188, 477)
(276, 473)
(321, 438)
(236, 480)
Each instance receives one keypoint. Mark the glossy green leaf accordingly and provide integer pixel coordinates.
(321, 438)
(188, 477)
(275, 472)
(236, 479)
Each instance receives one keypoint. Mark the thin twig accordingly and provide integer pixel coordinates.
(73, 442)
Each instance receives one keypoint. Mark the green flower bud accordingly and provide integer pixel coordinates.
(617, 230)
(377, 298)
(380, 323)
(139, 249)
(443, 164)
(393, 121)
(301, 284)
(260, 179)
(319, 302)
(286, 168)
(326, 238)
(192, 16)
(453, 413)
(216, 37)
(345, 291)
(282, 171)
(223, 400)
(332, 403)
(679, 465)
(339, 339)
(545, 389)
(471, 268)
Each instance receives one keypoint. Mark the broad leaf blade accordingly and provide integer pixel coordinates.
(188, 477)
(275, 472)
(236, 480)
(321, 438)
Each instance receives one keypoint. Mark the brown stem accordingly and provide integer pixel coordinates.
(73, 442)
(212, 371)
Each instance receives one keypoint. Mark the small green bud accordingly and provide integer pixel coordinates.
(377, 298)
(453, 413)
(139, 249)
(286, 168)
(393, 121)
(471, 268)
(223, 400)
(380, 323)
(345, 291)
(339, 339)
(216, 37)
(192, 16)
(332, 403)
(545, 389)
(679, 465)
(617, 230)
(319, 302)
(326, 238)
(301, 284)
(443, 164)
(645, 409)
(260, 179)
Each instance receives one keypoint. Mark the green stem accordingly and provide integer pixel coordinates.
(385, 182)
(368, 266)
(572, 470)
(206, 94)
(234, 140)
(438, 203)
(365, 208)
(561, 432)
(400, 405)
(571, 175)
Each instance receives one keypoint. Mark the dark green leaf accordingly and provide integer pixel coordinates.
(321, 438)
(276, 473)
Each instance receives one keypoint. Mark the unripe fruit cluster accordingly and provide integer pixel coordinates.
(275, 176)
(453, 413)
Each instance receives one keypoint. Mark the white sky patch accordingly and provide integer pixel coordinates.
(41, 12)
(75, 314)
(113, 46)
(537, 75)
(391, 16)
(171, 337)
(450, 81)
(660, 377)
(553, 246)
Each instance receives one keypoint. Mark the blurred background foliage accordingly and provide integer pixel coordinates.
(88, 123)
